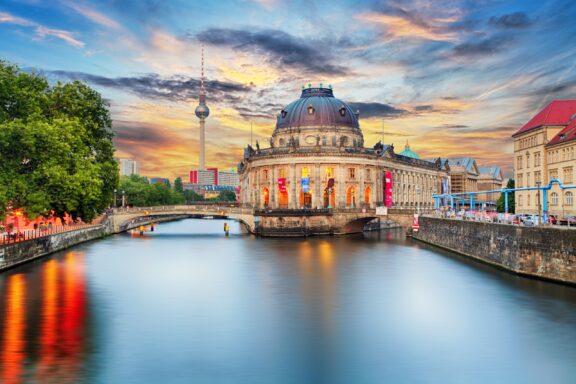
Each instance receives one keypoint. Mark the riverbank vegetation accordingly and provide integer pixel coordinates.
(56, 146)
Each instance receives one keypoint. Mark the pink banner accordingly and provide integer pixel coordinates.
(388, 189)
(282, 184)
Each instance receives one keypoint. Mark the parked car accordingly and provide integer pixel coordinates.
(552, 219)
(569, 220)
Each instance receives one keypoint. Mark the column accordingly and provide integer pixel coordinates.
(341, 195)
(274, 187)
(293, 200)
(317, 198)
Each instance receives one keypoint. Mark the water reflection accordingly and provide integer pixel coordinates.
(187, 304)
(44, 322)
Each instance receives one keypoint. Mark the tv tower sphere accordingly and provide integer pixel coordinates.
(202, 111)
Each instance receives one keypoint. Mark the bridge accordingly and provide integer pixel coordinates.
(266, 222)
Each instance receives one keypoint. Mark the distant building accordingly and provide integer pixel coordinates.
(162, 180)
(464, 174)
(544, 149)
(212, 176)
(228, 178)
(128, 167)
(490, 178)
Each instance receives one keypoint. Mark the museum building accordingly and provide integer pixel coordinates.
(317, 159)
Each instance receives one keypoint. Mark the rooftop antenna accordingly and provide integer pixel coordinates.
(202, 94)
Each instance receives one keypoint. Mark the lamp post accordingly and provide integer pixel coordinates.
(123, 198)
(115, 204)
(538, 197)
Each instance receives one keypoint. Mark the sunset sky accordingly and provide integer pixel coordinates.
(455, 78)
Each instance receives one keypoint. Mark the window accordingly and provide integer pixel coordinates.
(265, 174)
(568, 172)
(553, 174)
(537, 159)
(310, 109)
(568, 198)
(329, 173)
(520, 180)
(282, 172)
(527, 160)
(351, 173)
(283, 113)
(528, 199)
(519, 162)
(324, 140)
(281, 142)
(305, 172)
(537, 177)
(528, 180)
(554, 199)
(367, 174)
(334, 140)
(520, 200)
(342, 111)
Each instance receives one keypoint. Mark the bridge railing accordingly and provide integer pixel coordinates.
(214, 208)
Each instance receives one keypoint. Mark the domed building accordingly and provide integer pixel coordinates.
(317, 159)
(408, 152)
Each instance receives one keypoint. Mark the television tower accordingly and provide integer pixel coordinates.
(202, 112)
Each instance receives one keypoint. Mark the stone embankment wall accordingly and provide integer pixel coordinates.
(21, 252)
(543, 252)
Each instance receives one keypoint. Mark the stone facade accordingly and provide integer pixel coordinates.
(543, 252)
(544, 149)
(317, 159)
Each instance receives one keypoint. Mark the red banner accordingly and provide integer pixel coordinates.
(282, 184)
(388, 189)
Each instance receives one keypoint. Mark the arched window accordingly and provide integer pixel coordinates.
(554, 198)
(310, 109)
(342, 111)
(569, 198)
(367, 196)
(281, 142)
(283, 113)
(520, 200)
(266, 197)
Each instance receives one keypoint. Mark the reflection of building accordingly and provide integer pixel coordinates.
(544, 149)
(128, 167)
(317, 158)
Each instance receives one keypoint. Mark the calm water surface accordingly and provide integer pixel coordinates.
(186, 305)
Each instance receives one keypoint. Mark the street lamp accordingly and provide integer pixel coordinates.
(538, 197)
(123, 199)
(115, 204)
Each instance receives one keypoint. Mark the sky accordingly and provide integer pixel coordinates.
(453, 78)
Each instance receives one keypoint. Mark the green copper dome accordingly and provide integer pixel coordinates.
(408, 152)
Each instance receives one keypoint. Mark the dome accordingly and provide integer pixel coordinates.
(202, 111)
(317, 107)
(408, 152)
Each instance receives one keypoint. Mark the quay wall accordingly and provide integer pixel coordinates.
(542, 252)
(24, 251)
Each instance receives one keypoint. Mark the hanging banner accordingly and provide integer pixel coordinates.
(305, 184)
(388, 189)
(282, 184)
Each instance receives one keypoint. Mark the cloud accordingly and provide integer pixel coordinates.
(41, 30)
(94, 16)
(280, 48)
(484, 47)
(512, 20)
(152, 86)
(400, 22)
(368, 110)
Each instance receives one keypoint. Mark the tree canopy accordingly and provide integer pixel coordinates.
(56, 145)
(140, 193)
(511, 201)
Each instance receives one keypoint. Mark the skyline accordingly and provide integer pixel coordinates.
(455, 82)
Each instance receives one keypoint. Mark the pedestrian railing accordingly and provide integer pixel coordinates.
(29, 234)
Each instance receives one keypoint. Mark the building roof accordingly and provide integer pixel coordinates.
(493, 172)
(317, 107)
(467, 162)
(558, 112)
(565, 135)
(408, 152)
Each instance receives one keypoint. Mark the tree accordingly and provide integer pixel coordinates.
(56, 145)
(178, 186)
(511, 201)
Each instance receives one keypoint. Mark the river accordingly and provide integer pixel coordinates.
(184, 304)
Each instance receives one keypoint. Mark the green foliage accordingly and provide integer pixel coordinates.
(511, 200)
(178, 186)
(191, 196)
(225, 196)
(56, 145)
(140, 193)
